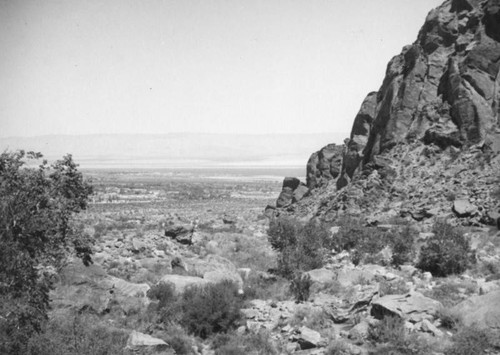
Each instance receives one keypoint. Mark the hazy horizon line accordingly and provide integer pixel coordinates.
(176, 133)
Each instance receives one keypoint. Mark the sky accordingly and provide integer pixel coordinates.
(211, 66)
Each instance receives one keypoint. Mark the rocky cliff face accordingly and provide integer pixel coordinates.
(439, 100)
(443, 90)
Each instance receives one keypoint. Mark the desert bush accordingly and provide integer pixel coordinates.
(301, 287)
(403, 247)
(391, 332)
(234, 344)
(446, 253)
(398, 287)
(450, 319)
(177, 338)
(333, 287)
(411, 344)
(365, 242)
(163, 292)
(79, 334)
(338, 347)
(258, 287)
(300, 247)
(471, 340)
(452, 292)
(209, 309)
(389, 329)
(167, 309)
(311, 317)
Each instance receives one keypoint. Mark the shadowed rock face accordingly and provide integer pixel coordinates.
(444, 89)
(324, 165)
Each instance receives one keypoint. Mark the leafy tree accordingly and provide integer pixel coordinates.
(36, 233)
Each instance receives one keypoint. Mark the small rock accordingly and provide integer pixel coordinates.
(254, 326)
(300, 192)
(487, 287)
(408, 270)
(463, 208)
(334, 230)
(308, 338)
(139, 342)
(244, 272)
(250, 313)
(359, 331)
(427, 276)
(428, 327)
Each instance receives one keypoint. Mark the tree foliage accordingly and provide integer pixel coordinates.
(36, 233)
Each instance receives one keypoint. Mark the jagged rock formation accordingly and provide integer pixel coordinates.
(443, 89)
(437, 107)
(324, 165)
(292, 191)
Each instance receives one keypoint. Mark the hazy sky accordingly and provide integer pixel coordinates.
(161, 66)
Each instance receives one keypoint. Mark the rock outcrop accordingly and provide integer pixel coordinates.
(443, 89)
(293, 190)
(324, 165)
(413, 306)
(437, 110)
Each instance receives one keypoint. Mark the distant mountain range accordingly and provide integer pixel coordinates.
(176, 149)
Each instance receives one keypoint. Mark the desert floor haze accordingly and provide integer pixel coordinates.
(186, 150)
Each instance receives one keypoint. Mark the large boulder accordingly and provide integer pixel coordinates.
(285, 198)
(412, 306)
(482, 311)
(324, 165)
(292, 191)
(443, 90)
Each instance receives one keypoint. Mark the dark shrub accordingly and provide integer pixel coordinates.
(402, 250)
(446, 253)
(300, 247)
(391, 332)
(209, 309)
(177, 338)
(364, 242)
(162, 292)
(167, 309)
(301, 287)
(234, 344)
(389, 329)
(77, 335)
(470, 340)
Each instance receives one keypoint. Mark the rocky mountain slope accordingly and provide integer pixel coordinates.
(431, 134)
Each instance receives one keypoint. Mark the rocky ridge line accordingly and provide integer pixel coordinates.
(437, 109)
